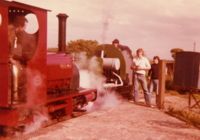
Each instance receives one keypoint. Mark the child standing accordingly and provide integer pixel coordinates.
(153, 75)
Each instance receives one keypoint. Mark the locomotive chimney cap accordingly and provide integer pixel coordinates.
(62, 15)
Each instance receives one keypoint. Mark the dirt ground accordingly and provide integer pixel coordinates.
(121, 120)
(126, 121)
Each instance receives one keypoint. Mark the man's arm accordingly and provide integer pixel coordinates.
(133, 66)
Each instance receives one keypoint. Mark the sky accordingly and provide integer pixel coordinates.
(157, 26)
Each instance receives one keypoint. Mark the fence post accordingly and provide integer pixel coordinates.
(161, 85)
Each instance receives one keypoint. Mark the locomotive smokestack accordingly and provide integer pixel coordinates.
(62, 32)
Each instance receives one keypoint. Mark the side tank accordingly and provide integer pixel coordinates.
(59, 73)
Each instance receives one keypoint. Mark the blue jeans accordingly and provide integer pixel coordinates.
(141, 79)
(153, 86)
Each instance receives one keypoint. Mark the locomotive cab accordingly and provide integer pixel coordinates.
(22, 60)
(22, 44)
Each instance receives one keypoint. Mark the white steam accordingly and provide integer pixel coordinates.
(35, 100)
(35, 88)
(107, 17)
(38, 121)
(34, 93)
(91, 77)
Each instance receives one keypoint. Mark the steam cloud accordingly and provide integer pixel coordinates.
(38, 120)
(106, 18)
(91, 77)
(35, 101)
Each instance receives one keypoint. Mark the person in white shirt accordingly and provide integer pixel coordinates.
(140, 66)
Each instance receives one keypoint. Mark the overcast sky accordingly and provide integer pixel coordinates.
(155, 25)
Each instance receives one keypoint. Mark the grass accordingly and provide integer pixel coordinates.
(188, 116)
(197, 96)
(177, 105)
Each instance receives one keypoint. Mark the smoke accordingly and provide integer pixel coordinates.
(30, 87)
(91, 77)
(106, 19)
(35, 88)
(35, 100)
(38, 121)
(106, 22)
(106, 99)
(90, 72)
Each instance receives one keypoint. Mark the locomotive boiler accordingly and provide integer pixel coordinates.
(116, 62)
(32, 80)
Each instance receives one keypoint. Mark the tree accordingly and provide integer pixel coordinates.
(87, 46)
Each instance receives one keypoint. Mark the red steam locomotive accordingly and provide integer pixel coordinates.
(30, 79)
